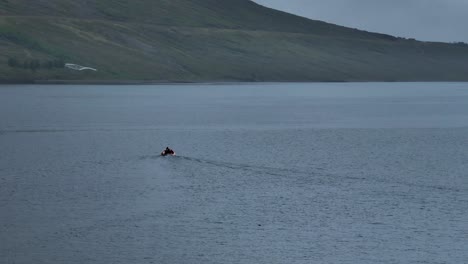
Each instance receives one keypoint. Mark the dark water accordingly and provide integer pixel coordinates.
(280, 173)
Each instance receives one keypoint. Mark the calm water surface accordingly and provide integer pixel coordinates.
(269, 173)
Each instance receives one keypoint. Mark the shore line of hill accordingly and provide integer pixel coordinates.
(217, 82)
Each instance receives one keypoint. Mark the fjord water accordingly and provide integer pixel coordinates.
(266, 173)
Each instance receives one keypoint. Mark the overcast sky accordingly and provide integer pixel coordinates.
(430, 20)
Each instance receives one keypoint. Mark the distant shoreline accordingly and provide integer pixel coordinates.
(226, 82)
(162, 82)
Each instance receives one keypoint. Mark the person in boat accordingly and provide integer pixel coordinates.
(168, 151)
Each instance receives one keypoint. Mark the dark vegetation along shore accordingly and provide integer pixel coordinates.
(204, 40)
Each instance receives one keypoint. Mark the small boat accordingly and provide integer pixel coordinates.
(168, 152)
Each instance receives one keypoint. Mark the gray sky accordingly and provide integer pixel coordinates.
(432, 20)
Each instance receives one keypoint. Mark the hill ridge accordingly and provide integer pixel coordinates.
(193, 41)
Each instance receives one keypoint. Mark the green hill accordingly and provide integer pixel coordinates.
(205, 40)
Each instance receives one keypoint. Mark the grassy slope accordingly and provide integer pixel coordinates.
(208, 40)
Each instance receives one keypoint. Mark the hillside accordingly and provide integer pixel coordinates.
(205, 40)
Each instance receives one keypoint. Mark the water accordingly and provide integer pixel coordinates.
(269, 173)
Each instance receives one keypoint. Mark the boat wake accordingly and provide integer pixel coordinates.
(273, 171)
(318, 173)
